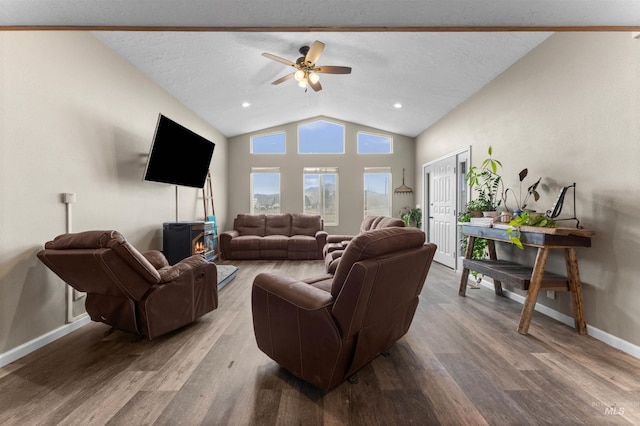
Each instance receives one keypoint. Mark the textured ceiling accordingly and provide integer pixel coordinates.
(214, 72)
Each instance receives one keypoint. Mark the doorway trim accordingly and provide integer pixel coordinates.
(462, 193)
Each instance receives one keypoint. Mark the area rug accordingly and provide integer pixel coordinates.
(226, 273)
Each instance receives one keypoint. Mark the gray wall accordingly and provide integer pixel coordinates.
(570, 112)
(350, 180)
(75, 117)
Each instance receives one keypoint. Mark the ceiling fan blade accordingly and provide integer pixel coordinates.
(315, 86)
(278, 59)
(282, 79)
(314, 52)
(328, 69)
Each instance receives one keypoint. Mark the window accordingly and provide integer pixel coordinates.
(320, 137)
(374, 144)
(321, 193)
(274, 143)
(265, 190)
(377, 191)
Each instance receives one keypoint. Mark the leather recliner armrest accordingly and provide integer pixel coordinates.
(156, 258)
(339, 238)
(170, 273)
(297, 293)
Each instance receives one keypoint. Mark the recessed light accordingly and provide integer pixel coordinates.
(397, 105)
(246, 105)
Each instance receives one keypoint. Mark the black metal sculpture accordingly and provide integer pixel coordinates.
(557, 206)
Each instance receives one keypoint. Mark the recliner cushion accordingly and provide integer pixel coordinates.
(107, 239)
(373, 244)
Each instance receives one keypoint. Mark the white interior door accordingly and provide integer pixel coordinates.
(442, 187)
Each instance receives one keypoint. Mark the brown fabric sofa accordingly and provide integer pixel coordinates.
(336, 244)
(325, 329)
(295, 236)
(132, 291)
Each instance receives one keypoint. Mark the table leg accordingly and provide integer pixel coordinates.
(497, 285)
(464, 280)
(576, 289)
(534, 289)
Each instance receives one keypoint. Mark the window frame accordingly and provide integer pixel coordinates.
(265, 135)
(378, 171)
(378, 135)
(309, 123)
(322, 171)
(264, 171)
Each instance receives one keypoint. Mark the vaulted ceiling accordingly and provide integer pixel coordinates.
(428, 56)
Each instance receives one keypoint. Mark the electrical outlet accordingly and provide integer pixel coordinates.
(551, 294)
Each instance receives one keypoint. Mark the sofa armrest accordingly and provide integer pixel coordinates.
(230, 234)
(296, 293)
(321, 237)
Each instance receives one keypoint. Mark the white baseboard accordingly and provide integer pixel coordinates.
(26, 348)
(594, 332)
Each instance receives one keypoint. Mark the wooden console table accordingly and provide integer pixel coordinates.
(531, 279)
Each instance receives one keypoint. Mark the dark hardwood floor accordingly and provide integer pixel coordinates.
(462, 363)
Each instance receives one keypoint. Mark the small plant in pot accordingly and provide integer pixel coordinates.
(527, 219)
(487, 182)
(521, 202)
(412, 217)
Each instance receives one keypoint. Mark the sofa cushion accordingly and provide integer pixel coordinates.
(274, 242)
(249, 224)
(245, 243)
(274, 247)
(305, 224)
(302, 243)
(278, 224)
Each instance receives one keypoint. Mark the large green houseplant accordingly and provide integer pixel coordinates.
(486, 181)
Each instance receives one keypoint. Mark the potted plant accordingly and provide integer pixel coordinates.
(412, 217)
(480, 250)
(521, 203)
(527, 219)
(487, 182)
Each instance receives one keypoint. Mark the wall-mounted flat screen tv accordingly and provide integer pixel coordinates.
(178, 156)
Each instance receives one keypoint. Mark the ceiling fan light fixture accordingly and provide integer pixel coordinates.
(303, 83)
(299, 75)
(314, 78)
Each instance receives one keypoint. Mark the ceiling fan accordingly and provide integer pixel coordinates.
(306, 69)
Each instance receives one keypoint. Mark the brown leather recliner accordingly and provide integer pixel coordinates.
(325, 329)
(334, 248)
(132, 291)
